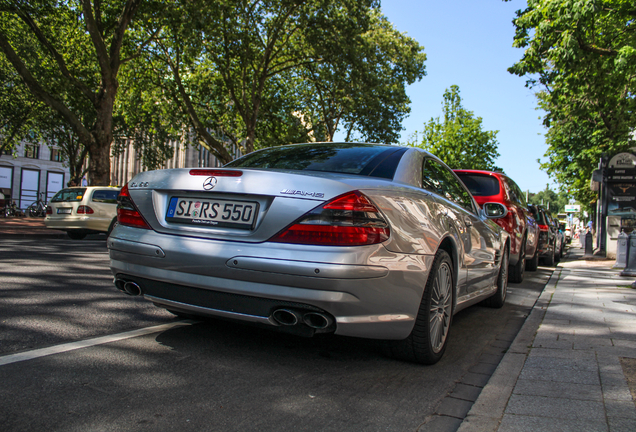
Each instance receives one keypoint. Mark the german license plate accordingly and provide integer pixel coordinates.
(212, 212)
(64, 211)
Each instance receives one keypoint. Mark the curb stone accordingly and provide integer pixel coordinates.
(488, 410)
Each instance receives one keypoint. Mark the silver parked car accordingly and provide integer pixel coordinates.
(364, 240)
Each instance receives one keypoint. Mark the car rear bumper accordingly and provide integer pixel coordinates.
(377, 296)
(78, 223)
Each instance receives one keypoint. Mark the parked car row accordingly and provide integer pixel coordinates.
(364, 240)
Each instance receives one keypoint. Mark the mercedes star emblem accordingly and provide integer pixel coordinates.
(209, 183)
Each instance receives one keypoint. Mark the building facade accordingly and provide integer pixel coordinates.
(35, 170)
(126, 165)
(30, 171)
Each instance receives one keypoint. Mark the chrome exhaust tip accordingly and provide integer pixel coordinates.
(286, 317)
(317, 320)
(119, 284)
(131, 288)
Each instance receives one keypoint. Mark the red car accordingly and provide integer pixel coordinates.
(487, 186)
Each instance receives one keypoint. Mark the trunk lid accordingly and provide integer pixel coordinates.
(249, 205)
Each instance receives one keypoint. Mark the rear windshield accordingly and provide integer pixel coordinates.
(480, 185)
(539, 216)
(69, 195)
(360, 159)
(106, 196)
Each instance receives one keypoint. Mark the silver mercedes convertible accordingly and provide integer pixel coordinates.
(365, 240)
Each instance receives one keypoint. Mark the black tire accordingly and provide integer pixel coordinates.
(549, 258)
(557, 255)
(76, 235)
(517, 270)
(498, 299)
(31, 211)
(112, 225)
(427, 342)
(533, 264)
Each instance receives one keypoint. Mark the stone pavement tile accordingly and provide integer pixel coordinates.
(622, 343)
(517, 423)
(552, 343)
(555, 322)
(613, 379)
(620, 409)
(507, 337)
(466, 392)
(442, 424)
(621, 424)
(559, 390)
(561, 375)
(491, 358)
(617, 393)
(588, 363)
(475, 379)
(599, 330)
(591, 343)
(473, 423)
(500, 344)
(559, 408)
(491, 350)
(483, 368)
(452, 407)
(563, 354)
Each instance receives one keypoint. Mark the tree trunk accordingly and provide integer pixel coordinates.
(102, 133)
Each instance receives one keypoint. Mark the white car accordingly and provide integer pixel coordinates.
(83, 210)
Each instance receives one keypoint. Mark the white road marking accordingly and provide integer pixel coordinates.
(57, 349)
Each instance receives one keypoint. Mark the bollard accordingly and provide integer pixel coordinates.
(630, 270)
(621, 250)
(589, 249)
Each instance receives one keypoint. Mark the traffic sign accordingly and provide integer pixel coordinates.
(572, 208)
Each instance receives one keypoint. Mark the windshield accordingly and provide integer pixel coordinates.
(345, 158)
(480, 185)
(69, 195)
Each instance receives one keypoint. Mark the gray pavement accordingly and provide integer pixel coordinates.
(563, 370)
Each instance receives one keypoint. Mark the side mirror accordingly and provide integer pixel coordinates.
(494, 210)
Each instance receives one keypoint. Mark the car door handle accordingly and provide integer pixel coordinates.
(468, 222)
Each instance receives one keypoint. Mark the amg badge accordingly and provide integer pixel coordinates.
(302, 193)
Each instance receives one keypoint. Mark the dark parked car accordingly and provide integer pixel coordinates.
(364, 240)
(547, 234)
(487, 186)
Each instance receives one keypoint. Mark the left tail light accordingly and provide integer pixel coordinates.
(49, 210)
(348, 220)
(83, 209)
(127, 213)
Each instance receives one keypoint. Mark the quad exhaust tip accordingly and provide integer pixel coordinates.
(316, 320)
(286, 317)
(128, 287)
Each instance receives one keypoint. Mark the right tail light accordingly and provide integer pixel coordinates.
(350, 219)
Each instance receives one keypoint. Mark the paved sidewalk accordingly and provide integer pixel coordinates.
(563, 371)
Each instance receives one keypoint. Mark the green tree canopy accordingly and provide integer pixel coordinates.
(581, 55)
(69, 55)
(554, 201)
(458, 139)
(270, 72)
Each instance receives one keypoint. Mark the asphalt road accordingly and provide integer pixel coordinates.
(213, 375)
